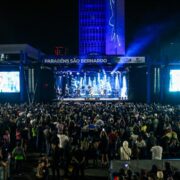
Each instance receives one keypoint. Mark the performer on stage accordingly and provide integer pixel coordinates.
(104, 92)
(58, 92)
(66, 91)
(78, 92)
(90, 91)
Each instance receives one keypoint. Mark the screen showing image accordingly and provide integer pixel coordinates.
(174, 83)
(9, 82)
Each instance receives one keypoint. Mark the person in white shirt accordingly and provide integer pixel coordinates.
(63, 140)
(125, 151)
(63, 145)
(157, 152)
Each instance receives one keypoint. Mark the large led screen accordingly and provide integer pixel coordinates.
(174, 82)
(9, 82)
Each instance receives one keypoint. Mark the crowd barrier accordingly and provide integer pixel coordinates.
(137, 165)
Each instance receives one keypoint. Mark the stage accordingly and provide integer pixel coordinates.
(90, 99)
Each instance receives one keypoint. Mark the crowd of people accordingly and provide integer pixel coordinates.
(70, 134)
(155, 173)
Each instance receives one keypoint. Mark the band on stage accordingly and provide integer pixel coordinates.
(83, 91)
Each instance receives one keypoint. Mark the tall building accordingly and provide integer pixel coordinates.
(101, 27)
(92, 22)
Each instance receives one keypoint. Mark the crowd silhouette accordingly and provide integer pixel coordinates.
(69, 134)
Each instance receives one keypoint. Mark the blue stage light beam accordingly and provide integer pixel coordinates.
(145, 36)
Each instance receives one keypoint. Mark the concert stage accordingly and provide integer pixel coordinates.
(90, 99)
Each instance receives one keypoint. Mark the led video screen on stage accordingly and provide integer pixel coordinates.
(9, 82)
(91, 84)
(174, 82)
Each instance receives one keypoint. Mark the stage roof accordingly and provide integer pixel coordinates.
(17, 49)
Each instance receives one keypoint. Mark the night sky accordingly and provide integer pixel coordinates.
(46, 24)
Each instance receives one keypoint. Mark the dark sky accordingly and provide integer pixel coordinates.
(43, 24)
(152, 13)
(49, 23)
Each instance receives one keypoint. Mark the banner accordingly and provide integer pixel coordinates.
(93, 60)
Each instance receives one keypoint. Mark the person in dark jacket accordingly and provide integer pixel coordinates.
(55, 161)
(78, 162)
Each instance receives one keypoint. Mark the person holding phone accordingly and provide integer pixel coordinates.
(104, 147)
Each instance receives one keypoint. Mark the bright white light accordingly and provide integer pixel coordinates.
(124, 88)
(174, 83)
(10, 82)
